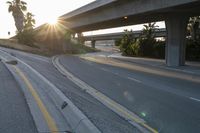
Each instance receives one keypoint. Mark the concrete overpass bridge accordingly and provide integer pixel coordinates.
(103, 14)
(119, 35)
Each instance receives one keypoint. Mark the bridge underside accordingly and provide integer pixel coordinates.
(129, 12)
(107, 17)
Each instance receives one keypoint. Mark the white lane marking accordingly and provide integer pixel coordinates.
(116, 73)
(104, 69)
(39, 58)
(133, 79)
(195, 99)
(114, 106)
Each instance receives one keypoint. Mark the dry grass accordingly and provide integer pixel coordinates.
(42, 49)
(11, 43)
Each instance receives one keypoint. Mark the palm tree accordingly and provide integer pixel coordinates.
(17, 7)
(149, 30)
(27, 35)
(29, 21)
(193, 26)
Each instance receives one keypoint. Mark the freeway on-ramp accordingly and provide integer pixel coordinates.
(153, 97)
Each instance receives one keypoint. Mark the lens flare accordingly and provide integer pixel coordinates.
(52, 21)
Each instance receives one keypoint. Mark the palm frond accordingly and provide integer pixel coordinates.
(17, 1)
(33, 21)
(10, 8)
(23, 8)
(8, 2)
(23, 3)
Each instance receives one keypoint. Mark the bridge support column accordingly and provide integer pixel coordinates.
(93, 43)
(176, 27)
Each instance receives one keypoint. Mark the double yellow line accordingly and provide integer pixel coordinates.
(49, 120)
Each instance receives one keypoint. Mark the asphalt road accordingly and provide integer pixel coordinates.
(168, 104)
(103, 118)
(15, 115)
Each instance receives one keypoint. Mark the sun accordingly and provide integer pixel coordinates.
(52, 21)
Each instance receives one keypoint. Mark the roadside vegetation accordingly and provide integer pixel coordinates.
(75, 46)
(193, 41)
(59, 39)
(27, 36)
(24, 21)
(147, 45)
(56, 39)
(13, 44)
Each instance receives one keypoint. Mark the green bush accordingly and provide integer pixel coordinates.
(143, 46)
(159, 49)
(135, 48)
(146, 47)
(126, 43)
(193, 50)
(26, 37)
(118, 42)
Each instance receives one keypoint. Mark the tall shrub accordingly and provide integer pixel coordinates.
(126, 43)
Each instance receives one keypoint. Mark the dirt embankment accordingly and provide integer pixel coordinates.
(43, 49)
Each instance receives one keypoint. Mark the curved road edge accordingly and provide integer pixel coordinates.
(115, 107)
(75, 118)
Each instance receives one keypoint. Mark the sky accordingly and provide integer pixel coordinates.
(46, 11)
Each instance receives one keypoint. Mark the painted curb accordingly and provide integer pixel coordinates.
(136, 121)
(77, 120)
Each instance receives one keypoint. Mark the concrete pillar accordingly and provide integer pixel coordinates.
(176, 27)
(93, 43)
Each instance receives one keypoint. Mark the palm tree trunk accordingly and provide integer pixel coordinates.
(19, 20)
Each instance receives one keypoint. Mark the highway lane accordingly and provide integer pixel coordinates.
(170, 105)
(106, 120)
(163, 102)
(15, 116)
(169, 80)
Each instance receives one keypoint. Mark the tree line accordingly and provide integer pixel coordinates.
(147, 45)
